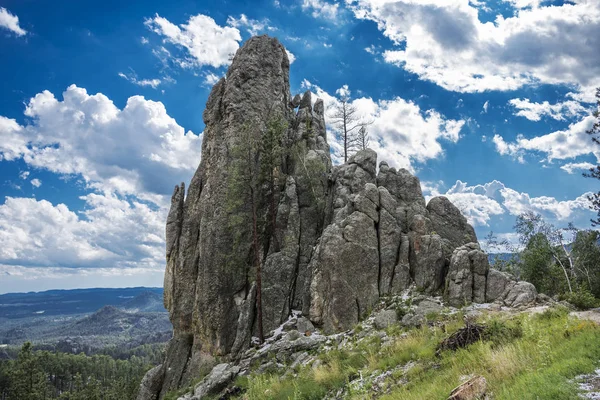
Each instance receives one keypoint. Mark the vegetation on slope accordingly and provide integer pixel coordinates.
(522, 356)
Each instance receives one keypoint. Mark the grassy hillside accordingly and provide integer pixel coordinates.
(522, 356)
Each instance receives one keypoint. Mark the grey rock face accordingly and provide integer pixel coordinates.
(303, 325)
(406, 189)
(449, 223)
(390, 233)
(332, 239)
(426, 261)
(280, 266)
(467, 276)
(385, 318)
(496, 284)
(179, 351)
(151, 384)
(217, 380)
(503, 288)
(310, 165)
(521, 294)
(348, 249)
(402, 279)
(204, 292)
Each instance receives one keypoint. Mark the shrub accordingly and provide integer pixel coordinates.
(501, 332)
(582, 298)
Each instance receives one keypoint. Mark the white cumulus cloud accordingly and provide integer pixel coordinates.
(401, 133)
(138, 150)
(446, 43)
(110, 233)
(559, 145)
(479, 203)
(10, 22)
(535, 111)
(206, 42)
(572, 167)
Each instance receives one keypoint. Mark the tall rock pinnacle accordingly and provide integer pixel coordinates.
(268, 226)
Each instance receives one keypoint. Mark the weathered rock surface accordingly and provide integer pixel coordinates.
(447, 221)
(473, 389)
(496, 284)
(151, 384)
(331, 240)
(217, 380)
(520, 294)
(385, 318)
(467, 276)
(503, 288)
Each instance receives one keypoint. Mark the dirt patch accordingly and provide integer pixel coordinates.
(592, 315)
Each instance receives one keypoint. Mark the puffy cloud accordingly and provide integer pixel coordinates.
(153, 83)
(535, 111)
(10, 22)
(569, 143)
(110, 233)
(400, 132)
(517, 203)
(36, 182)
(486, 106)
(138, 150)
(12, 143)
(572, 167)
(446, 43)
(130, 158)
(479, 203)
(206, 42)
(211, 78)
(321, 8)
(291, 57)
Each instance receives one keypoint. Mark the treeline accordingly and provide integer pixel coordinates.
(561, 262)
(38, 375)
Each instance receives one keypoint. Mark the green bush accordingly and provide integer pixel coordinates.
(554, 313)
(501, 332)
(582, 298)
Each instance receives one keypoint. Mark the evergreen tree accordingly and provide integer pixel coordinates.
(28, 380)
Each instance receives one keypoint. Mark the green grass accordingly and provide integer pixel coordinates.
(522, 357)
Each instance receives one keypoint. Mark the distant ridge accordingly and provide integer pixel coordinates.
(78, 301)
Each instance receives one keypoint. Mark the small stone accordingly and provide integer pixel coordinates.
(473, 389)
(304, 326)
(385, 318)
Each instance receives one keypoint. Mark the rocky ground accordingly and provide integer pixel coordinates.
(296, 344)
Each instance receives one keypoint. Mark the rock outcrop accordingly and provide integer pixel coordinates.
(329, 240)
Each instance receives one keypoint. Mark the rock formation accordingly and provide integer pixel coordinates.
(332, 239)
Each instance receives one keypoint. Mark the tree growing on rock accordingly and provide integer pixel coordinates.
(255, 175)
(350, 126)
(271, 153)
(362, 139)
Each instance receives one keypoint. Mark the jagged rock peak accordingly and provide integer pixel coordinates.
(329, 241)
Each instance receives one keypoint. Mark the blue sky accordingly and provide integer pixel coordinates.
(487, 101)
